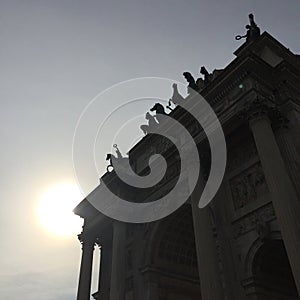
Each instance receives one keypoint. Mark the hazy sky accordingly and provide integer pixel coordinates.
(57, 55)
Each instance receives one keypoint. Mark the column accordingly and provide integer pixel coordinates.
(209, 272)
(105, 265)
(117, 286)
(85, 275)
(137, 261)
(283, 193)
(289, 153)
(232, 283)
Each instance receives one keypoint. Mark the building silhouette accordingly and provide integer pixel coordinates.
(246, 243)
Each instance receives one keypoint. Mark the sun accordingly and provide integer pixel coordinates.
(54, 210)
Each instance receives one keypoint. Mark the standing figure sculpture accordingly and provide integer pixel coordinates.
(109, 157)
(253, 31)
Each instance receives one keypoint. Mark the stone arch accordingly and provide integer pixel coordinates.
(274, 235)
(176, 243)
(172, 256)
(271, 275)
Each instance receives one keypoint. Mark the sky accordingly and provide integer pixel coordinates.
(56, 56)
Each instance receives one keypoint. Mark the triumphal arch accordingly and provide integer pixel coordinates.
(245, 244)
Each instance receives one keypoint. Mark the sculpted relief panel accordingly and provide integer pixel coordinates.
(248, 185)
(254, 220)
(246, 177)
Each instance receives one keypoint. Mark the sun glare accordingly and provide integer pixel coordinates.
(55, 207)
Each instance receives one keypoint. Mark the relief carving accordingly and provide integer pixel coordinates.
(257, 220)
(248, 185)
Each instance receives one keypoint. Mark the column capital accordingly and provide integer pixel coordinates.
(86, 240)
(264, 109)
(280, 122)
(98, 242)
(259, 108)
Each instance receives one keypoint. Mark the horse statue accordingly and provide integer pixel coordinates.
(160, 111)
(151, 123)
(176, 97)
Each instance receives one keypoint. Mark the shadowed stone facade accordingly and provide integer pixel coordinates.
(246, 243)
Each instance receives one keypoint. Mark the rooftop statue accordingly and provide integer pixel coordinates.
(176, 97)
(200, 84)
(160, 111)
(119, 163)
(109, 157)
(191, 81)
(253, 31)
(207, 76)
(151, 123)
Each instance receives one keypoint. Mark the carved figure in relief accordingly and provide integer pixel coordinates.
(247, 186)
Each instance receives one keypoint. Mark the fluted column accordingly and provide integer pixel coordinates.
(117, 287)
(232, 287)
(283, 193)
(85, 275)
(209, 272)
(288, 152)
(105, 265)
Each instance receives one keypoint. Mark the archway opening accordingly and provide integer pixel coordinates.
(272, 273)
(174, 257)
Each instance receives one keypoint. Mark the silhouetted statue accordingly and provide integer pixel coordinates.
(159, 110)
(200, 84)
(176, 97)
(109, 157)
(120, 163)
(253, 31)
(151, 123)
(207, 76)
(191, 81)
